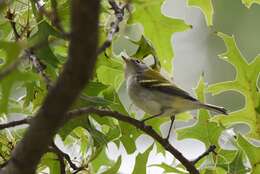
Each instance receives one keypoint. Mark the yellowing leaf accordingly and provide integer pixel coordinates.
(245, 83)
(206, 7)
(248, 3)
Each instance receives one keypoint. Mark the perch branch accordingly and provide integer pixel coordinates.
(140, 125)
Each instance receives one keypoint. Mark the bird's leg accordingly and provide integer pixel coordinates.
(169, 132)
(154, 116)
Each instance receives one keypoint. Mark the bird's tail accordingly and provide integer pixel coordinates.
(214, 108)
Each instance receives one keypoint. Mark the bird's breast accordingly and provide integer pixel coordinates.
(141, 97)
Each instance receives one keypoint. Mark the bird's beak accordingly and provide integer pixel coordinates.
(125, 59)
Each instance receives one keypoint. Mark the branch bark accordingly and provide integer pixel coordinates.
(15, 123)
(140, 125)
(190, 165)
(119, 16)
(76, 73)
(206, 153)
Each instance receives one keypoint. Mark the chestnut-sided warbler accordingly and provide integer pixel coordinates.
(158, 96)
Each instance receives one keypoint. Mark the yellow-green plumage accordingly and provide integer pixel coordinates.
(156, 95)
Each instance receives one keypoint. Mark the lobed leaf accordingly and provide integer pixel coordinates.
(245, 82)
(158, 28)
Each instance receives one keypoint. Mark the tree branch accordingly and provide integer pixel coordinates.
(76, 73)
(39, 67)
(138, 124)
(119, 16)
(52, 15)
(206, 153)
(28, 53)
(64, 155)
(61, 160)
(15, 123)
(10, 16)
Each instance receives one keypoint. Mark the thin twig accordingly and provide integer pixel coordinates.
(39, 68)
(15, 123)
(64, 155)
(28, 53)
(59, 153)
(62, 163)
(10, 16)
(206, 153)
(119, 16)
(52, 16)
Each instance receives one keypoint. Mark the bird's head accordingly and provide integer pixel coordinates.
(134, 66)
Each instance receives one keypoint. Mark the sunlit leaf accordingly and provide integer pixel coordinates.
(114, 168)
(245, 82)
(167, 168)
(141, 161)
(252, 152)
(12, 51)
(204, 130)
(206, 7)
(248, 3)
(158, 28)
(7, 83)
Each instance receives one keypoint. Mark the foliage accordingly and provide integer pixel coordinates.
(144, 32)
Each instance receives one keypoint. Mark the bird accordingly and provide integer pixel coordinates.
(158, 96)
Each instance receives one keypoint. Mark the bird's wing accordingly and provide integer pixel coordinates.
(155, 81)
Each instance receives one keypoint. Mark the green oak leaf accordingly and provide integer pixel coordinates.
(128, 132)
(245, 83)
(248, 3)
(237, 165)
(114, 168)
(252, 153)
(206, 7)
(158, 28)
(216, 170)
(100, 159)
(204, 130)
(110, 76)
(89, 97)
(7, 83)
(146, 48)
(12, 51)
(141, 161)
(109, 72)
(45, 53)
(52, 162)
(167, 168)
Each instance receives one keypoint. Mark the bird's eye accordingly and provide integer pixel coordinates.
(137, 61)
